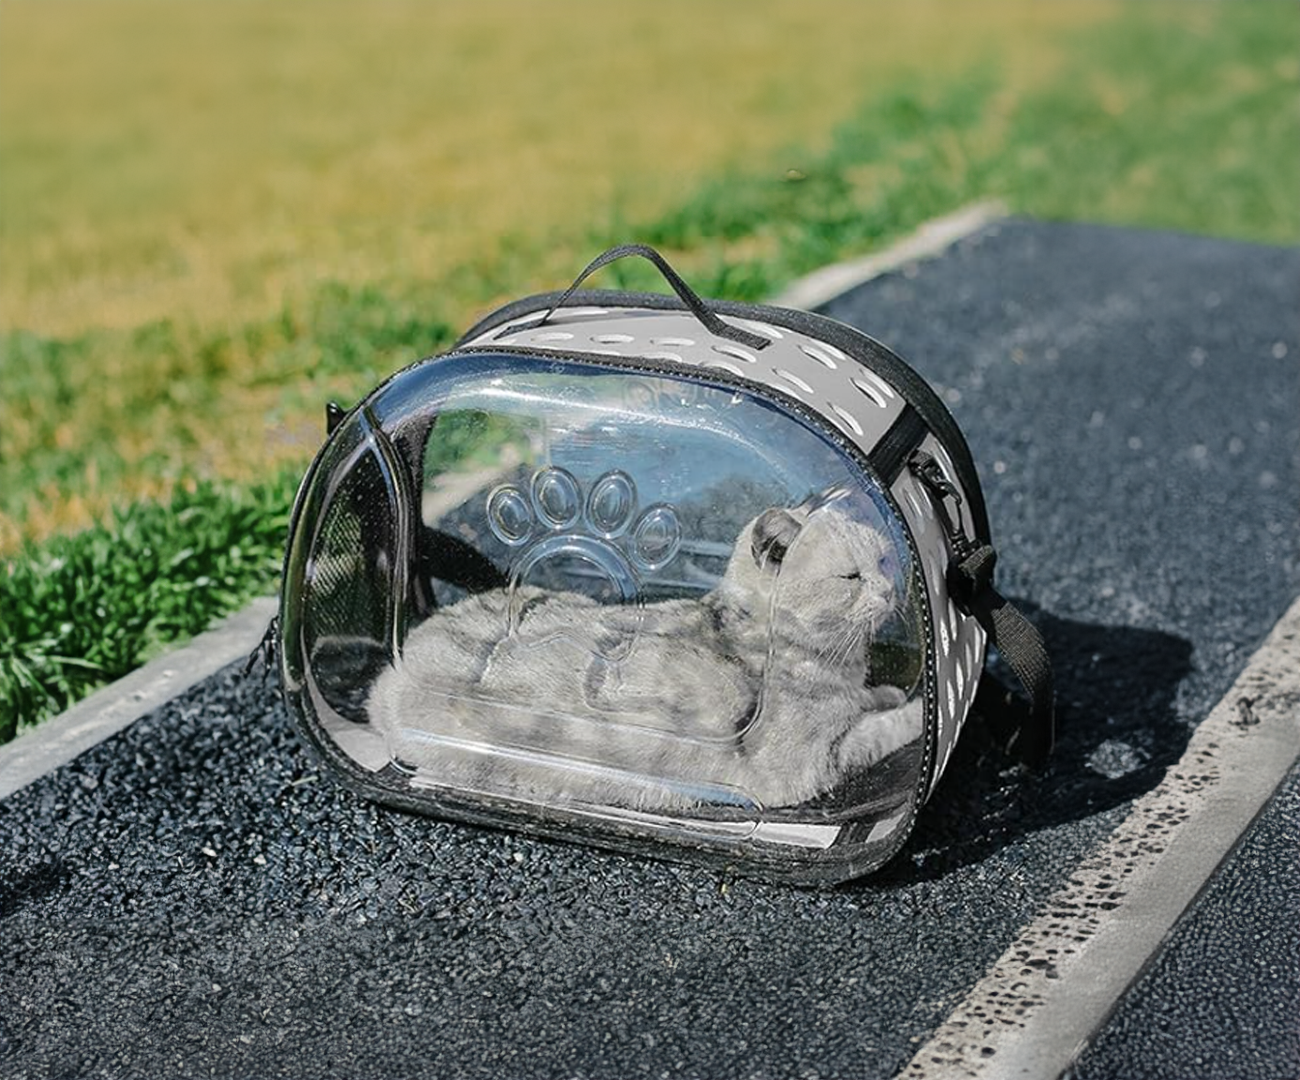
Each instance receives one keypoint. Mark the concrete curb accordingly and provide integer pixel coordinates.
(931, 239)
(107, 711)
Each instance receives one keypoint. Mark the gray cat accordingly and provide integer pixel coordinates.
(755, 695)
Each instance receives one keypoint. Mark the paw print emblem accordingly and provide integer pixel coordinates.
(598, 543)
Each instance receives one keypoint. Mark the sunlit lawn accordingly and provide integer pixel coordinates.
(213, 216)
(194, 195)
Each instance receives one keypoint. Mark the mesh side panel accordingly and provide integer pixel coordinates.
(339, 590)
(348, 591)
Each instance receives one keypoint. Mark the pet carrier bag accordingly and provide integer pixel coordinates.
(698, 579)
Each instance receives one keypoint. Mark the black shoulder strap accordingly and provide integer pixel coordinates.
(1025, 729)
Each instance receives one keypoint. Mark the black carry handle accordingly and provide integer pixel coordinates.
(687, 295)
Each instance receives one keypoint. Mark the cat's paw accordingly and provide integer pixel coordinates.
(597, 543)
(878, 734)
(887, 697)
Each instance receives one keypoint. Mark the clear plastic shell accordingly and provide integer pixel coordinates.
(636, 607)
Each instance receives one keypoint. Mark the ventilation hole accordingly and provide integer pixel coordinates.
(761, 329)
(879, 383)
(870, 391)
(838, 354)
(820, 355)
(847, 417)
(612, 339)
(677, 342)
(937, 580)
(916, 509)
(583, 312)
(724, 366)
(737, 352)
(553, 335)
(672, 357)
(793, 380)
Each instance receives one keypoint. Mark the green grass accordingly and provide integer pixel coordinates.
(1191, 128)
(1185, 118)
(82, 610)
(150, 404)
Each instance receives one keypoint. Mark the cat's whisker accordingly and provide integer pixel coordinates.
(845, 644)
(840, 645)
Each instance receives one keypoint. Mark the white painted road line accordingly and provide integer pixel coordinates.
(1054, 987)
(107, 711)
(931, 239)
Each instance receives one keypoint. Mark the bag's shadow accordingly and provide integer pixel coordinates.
(1117, 732)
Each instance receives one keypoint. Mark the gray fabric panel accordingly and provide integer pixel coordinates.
(855, 400)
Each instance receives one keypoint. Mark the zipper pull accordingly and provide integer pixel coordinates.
(334, 414)
(928, 470)
(265, 650)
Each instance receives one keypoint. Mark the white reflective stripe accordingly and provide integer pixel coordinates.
(780, 832)
(883, 829)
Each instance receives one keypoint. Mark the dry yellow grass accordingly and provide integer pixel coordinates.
(206, 160)
(211, 162)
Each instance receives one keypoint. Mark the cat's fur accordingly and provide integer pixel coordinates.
(760, 688)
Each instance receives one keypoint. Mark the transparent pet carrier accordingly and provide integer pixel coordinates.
(586, 576)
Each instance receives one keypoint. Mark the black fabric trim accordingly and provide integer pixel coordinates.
(862, 348)
(449, 558)
(905, 435)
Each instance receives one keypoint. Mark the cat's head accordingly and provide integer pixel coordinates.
(817, 571)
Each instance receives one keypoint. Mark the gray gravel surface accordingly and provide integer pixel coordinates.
(1223, 997)
(196, 897)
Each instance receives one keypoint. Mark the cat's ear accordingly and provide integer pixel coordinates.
(774, 532)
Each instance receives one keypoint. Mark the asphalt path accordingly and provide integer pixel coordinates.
(196, 896)
(1222, 999)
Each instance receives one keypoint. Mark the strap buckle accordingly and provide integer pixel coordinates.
(971, 577)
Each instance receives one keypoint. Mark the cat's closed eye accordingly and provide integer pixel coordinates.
(855, 576)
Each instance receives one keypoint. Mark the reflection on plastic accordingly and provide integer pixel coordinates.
(656, 604)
